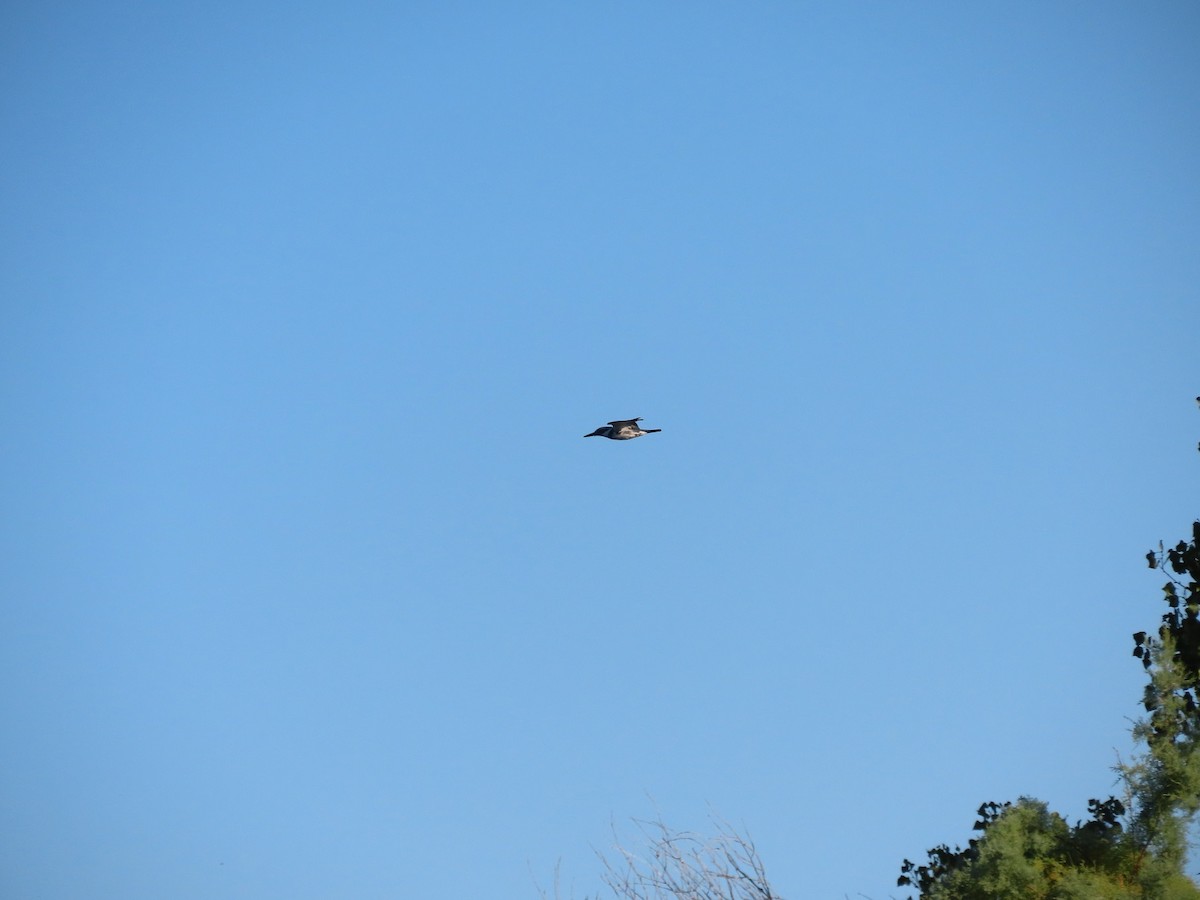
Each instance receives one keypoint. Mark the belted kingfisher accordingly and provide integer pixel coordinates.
(622, 430)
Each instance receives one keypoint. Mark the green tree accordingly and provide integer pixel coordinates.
(1164, 781)
(1131, 849)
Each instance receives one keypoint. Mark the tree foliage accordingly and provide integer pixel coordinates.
(1131, 849)
(1026, 851)
(1165, 779)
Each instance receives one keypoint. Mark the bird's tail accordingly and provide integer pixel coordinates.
(652, 430)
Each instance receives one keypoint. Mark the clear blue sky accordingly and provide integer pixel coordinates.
(311, 587)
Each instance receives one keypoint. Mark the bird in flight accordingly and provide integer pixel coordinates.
(622, 430)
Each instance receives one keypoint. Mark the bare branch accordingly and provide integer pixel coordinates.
(682, 865)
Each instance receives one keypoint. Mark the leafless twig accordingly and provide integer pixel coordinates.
(683, 865)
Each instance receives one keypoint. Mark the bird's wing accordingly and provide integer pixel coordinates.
(623, 423)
